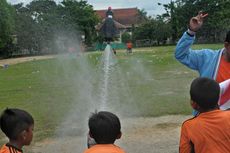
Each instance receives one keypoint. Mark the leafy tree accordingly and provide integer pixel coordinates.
(83, 16)
(174, 18)
(145, 31)
(126, 37)
(179, 12)
(154, 29)
(6, 28)
(142, 15)
(48, 27)
(35, 24)
(45, 21)
(25, 28)
(162, 31)
(218, 22)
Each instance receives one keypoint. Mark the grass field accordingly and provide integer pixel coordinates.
(149, 82)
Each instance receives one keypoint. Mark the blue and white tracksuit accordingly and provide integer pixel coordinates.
(205, 61)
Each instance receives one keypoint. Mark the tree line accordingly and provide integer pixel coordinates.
(172, 24)
(44, 26)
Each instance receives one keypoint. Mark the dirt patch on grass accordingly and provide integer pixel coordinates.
(12, 61)
(148, 135)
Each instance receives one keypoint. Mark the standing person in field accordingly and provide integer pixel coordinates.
(129, 47)
(18, 126)
(209, 63)
(209, 131)
(104, 128)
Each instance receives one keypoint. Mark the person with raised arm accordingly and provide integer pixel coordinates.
(214, 64)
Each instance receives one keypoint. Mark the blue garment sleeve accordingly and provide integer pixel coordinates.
(184, 54)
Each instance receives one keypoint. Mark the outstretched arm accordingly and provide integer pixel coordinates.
(183, 52)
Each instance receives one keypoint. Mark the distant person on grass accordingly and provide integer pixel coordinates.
(18, 126)
(209, 131)
(104, 128)
(129, 47)
(214, 64)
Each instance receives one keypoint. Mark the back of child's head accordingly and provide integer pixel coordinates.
(14, 121)
(205, 92)
(227, 39)
(104, 127)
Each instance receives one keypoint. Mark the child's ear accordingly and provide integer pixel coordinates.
(23, 134)
(90, 135)
(194, 105)
(119, 135)
(226, 44)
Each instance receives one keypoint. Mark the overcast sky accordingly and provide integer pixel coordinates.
(150, 6)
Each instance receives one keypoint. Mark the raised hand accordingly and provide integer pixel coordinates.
(196, 22)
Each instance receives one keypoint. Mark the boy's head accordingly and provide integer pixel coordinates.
(204, 94)
(227, 45)
(104, 127)
(17, 125)
(227, 39)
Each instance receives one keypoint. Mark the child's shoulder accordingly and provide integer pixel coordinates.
(119, 149)
(226, 113)
(7, 148)
(189, 121)
(104, 148)
(4, 149)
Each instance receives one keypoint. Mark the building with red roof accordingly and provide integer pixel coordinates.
(124, 16)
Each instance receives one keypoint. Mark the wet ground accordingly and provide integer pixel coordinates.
(140, 135)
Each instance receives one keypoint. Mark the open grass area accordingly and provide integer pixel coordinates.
(149, 82)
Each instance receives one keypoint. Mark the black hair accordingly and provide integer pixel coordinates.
(227, 39)
(14, 121)
(205, 92)
(104, 127)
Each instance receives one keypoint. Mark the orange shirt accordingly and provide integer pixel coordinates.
(223, 71)
(129, 45)
(209, 132)
(7, 148)
(104, 148)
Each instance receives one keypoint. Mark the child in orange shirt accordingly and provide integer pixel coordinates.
(18, 126)
(104, 128)
(129, 46)
(209, 131)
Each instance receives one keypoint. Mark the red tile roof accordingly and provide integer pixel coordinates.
(126, 16)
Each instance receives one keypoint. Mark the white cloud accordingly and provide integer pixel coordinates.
(150, 6)
(16, 1)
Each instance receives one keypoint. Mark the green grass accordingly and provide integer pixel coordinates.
(149, 82)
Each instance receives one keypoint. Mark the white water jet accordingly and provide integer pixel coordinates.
(108, 61)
